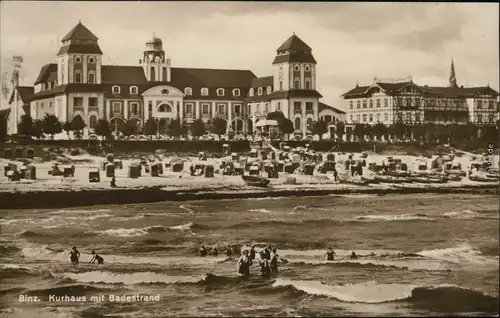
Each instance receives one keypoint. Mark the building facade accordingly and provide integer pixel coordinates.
(78, 84)
(388, 102)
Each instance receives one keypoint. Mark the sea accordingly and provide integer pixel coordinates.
(419, 255)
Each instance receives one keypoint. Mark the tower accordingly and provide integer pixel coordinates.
(294, 66)
(156, 66)
(453, 78)
(79, 59)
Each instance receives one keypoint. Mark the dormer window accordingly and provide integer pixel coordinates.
(116, 89)
(220, 92)
(204, 91)
(269, 90)
(236, 92)
(307, 68)
(91, 60)
(78, 59)
(296, 67)
(250, 93)
(259, 91)
(133, 90)
(188, 91)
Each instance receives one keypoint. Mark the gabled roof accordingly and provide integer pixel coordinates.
(25, 93)
(48, 73)
(119, 74)
(262, 81)
(294, 43)
(323, 106)
(392, 87)
(80, 32)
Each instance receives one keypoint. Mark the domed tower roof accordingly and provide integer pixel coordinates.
(155, 44)
(294, 50)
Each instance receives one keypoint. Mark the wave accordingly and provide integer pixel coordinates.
(131, 278)
(8, 249)
(32, 234)
(124, 232)
(464, 253)
(396, 217)
(188, 208)
(79, 211)
(260, 210)
(446, 297)
(469, 214)
(300, 207)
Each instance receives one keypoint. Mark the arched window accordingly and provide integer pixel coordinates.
(269, 90)
(188, 91)
(164, 108)
(78, 76)
(204, 91)
(249, 126)
(133, 90)
(297, 123)
(296, 83)
(259, 91)
(220, 92)
(116, 89)
(91, 78)
(250, 92)
(309, 123)
(328, 118)
(236, 92)
(92, 121)
(308, 83)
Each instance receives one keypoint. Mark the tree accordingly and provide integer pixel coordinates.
(129, 128)
(174, 128)
(51, 125)
(360, 131)
(398, 129)
(67, 128)
(198, 128)
(77, 125)
(218, 126)
(340, 129)
(102, 128)
(319, 127)
(25, 126)
(379, 130)
(151, 127)
(286, 127)
(38, 129)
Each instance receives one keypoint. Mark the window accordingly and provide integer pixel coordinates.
(77, 101)
(378, 103)
(164, 108)
(237, 109)
(281, 85)
(266, 108)
(296, 83)
(150, 107)
(296, 67)
(91, 60)
(221, 108)
(479, 118)
(257, 108)
(408, 102)
(364, 118)
(78, 60)
(91, 78)
(358, 117)
(351, 117)
(134, 109)
(417, 117)
(328, 118)
(479, 104)
(386, 102)
(358, 105)
(164, 73)
(50, 104)
(116, 89)
(250, 92)
(309, 107)
(117, 107)
(492, 104)
(205, 109)
(350, 104)
(78, 76)
(269, 90)
(92, 121)
(364, 104)
(378, 117)
(236, 92)
(297, 123)
(189, 109)
(371, 103)
(278, 107)
(249, 109)
(417, 102)
(259, 91)
(204, 91)
(491, 118)
(297, 107)
(309, 123)
(133, 90)
(92, 101)
(308, 83)
(370, 118)
(307, 68)
(188, 91)
(220, 92)
(165, 91)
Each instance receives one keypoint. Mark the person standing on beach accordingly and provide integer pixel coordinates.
(74, 255)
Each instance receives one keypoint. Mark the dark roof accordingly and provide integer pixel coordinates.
(4, 113)
(80, 32)
(323, 106)
(27, 110)
(118, 74)
(295, 93)
(47, 73)
(212, 77)
(297, 57)
(392, 87)
(25, 93)
(262, 82)
(294, 43)
(80, 48)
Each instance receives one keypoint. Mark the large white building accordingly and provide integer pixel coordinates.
(394, 101)
(78, 84)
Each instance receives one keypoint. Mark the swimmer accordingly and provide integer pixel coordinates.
(202, 251)
(252, 252)
(96, 258)
(244, 263)
(329, 254)
(265, 268)
(229, 251)
(214, 251)
(74, 255)
(353, 256)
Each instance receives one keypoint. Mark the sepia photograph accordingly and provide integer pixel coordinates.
(249, 158)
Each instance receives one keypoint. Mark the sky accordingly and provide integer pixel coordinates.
(352, 42)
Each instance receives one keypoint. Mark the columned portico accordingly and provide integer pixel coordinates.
(165, 100)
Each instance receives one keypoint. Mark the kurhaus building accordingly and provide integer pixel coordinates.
(80, 85)
(392, 101)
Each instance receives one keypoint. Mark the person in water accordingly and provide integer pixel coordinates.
(96, 258)
(252, 252)
(329, 254)
(353, 255)
(214, 251)
(274, 261)
(265, 268)
(266, 253)
(229, 251)
(74, 255)
(203, 251)
(244, 263)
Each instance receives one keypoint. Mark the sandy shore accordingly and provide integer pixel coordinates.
(56, 192)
